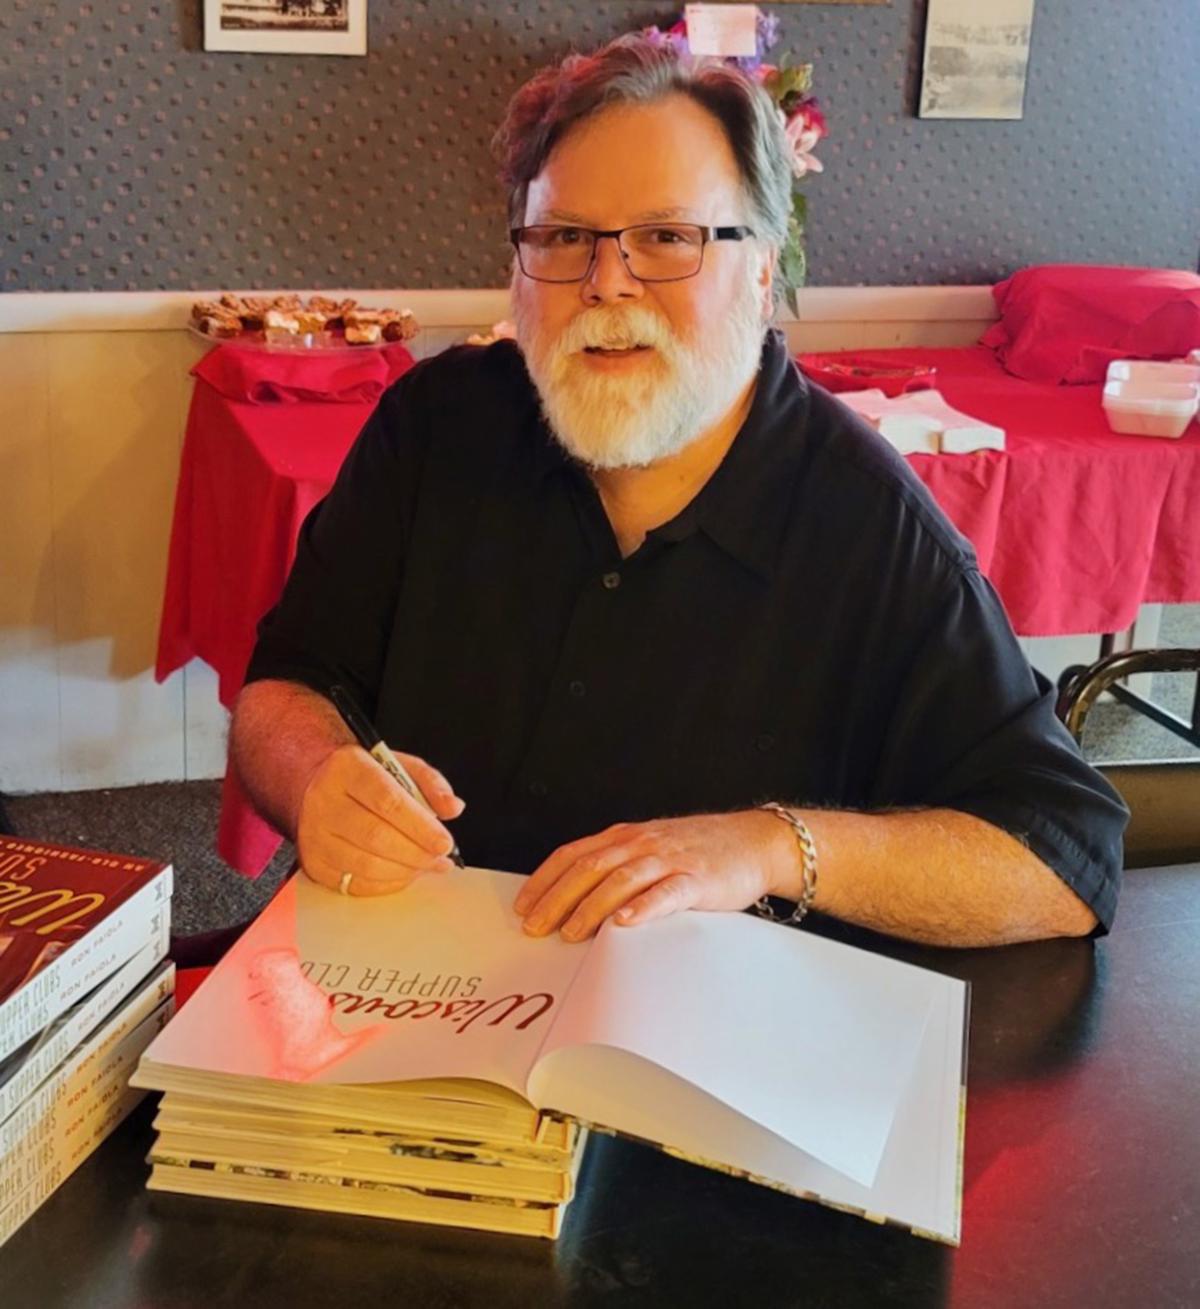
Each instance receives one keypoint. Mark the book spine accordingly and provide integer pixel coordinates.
(80, 1022)
(72, 1079)
(58, 1142)
(37, 1173)
(89, 961)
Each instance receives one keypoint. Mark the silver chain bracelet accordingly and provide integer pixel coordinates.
(808, 858)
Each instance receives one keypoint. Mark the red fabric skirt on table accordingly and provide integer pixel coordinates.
(266, 435)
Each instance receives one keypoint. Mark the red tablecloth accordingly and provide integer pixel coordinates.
(1076, 526)
(251, 470)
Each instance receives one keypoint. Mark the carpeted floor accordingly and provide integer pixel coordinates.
(178, 820)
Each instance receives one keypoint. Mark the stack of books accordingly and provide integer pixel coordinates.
(84, 987)
(460, 1154)
(420, 1057)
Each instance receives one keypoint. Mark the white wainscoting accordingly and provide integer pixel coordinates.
(94, 390)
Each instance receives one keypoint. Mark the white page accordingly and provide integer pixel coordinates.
(258, 1015)
(917, 1184)
(722, 30)
(813, 1040)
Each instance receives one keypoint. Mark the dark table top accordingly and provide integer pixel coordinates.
(1082, 1181)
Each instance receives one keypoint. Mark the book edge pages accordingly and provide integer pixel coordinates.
(462, 1213)
(368, 1100)
(506, 1181)
(176, 1110)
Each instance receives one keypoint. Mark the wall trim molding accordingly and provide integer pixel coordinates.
(157, 311)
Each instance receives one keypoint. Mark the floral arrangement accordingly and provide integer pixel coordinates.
(789, 85)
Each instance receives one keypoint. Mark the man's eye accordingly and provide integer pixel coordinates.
(565, 236)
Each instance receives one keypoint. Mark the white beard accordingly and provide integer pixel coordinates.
(612, 421)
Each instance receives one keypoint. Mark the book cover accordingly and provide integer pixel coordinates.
(68, 919)
(794, 1061)
(27, 1067)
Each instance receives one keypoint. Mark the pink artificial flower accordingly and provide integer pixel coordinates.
(811, 109)
(803, 139)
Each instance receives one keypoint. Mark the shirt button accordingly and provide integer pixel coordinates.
(765, 742)
(611, 581)
(537, 789)
(577, 689)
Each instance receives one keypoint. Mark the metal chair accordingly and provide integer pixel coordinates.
(1163, 795)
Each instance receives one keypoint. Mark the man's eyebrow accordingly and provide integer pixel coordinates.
(657, 215)
(647, 216)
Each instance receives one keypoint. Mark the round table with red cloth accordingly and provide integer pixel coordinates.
(1075, 525)
(266, 434)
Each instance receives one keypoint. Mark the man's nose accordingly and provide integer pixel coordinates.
(609, 280)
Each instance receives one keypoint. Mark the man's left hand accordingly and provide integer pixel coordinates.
(634, 872)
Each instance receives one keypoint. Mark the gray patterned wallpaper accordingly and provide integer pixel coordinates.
(132, 160)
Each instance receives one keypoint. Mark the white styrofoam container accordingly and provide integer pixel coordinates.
(1150, 408)
(1145, 370)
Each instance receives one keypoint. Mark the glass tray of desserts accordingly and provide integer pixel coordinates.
(318, 325)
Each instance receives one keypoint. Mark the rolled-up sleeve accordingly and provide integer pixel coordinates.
(975, 730)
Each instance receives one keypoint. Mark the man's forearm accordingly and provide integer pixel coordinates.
(937, 876)
(280, 734)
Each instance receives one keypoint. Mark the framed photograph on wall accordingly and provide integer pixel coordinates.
(976, 58)
(290, 27)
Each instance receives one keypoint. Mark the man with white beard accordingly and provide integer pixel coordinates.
(680, 630)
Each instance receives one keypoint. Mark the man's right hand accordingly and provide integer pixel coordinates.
(356, 819)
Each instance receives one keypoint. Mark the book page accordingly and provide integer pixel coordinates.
(812, 1040)
(436, 981)
(918, 1182)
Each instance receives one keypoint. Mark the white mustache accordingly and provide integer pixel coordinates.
(609, 328)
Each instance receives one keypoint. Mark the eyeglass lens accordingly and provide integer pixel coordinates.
(653, 251)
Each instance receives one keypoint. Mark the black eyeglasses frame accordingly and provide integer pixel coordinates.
(728, 233)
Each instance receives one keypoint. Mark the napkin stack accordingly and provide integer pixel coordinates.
(922, 422)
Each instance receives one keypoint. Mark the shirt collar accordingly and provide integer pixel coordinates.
(743, 507)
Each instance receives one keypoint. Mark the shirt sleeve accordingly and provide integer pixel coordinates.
(975, 730)
(333, 622)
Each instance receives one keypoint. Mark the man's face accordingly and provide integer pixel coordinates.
(679, 353)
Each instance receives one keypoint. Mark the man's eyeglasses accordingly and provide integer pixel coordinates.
(652, 252)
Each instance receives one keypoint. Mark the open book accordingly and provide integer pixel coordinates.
(800, 1063)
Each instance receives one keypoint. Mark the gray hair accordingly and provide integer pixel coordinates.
(634, 70)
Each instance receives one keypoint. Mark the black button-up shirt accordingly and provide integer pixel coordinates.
(809, 629)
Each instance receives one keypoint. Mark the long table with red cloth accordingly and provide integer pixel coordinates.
(1075, 525)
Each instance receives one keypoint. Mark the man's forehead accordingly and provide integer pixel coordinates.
(627, 164)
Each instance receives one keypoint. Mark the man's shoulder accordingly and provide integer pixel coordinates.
(855, 467)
